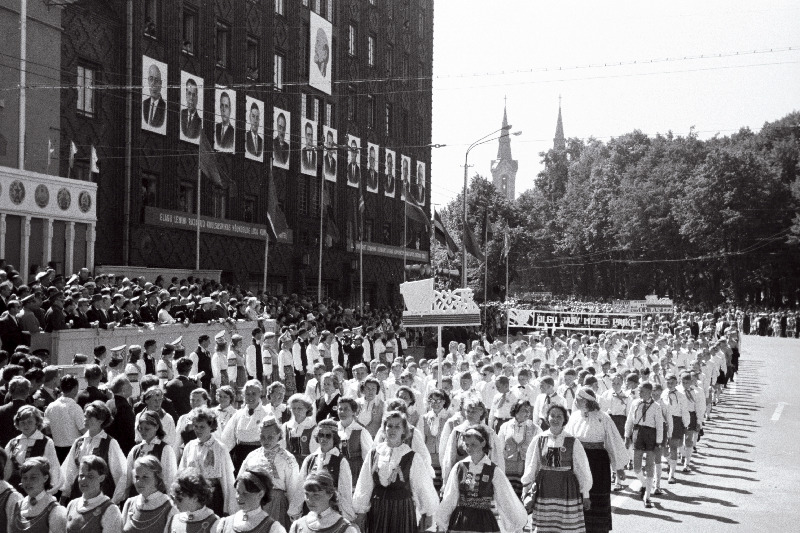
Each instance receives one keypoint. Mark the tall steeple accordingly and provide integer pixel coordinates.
(559, 142)
(504, 168)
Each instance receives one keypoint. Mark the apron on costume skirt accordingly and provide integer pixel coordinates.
(36, 524)
(392, 507)
(514, 453)
(598, 518)
(288, 381)
(278, 507)
(475, 497)
(557, 504)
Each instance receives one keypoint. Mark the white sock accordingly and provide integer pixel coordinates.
(673, 465)
(688, 455)
(648, 488)
(640, 476)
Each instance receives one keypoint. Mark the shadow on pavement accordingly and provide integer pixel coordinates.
(718, 487)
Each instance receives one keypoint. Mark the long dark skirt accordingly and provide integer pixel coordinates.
(391, 515)
(598, 518)
(239, 454)
(217, 501)
(470, 519)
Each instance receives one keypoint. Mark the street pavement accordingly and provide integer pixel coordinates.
(746, 472)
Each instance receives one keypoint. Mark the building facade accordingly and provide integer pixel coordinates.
(138, 81)
(504, 168)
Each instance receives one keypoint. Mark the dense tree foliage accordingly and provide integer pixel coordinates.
(697, 220)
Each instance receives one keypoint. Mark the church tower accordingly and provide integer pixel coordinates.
(559, 142)
(504, 168)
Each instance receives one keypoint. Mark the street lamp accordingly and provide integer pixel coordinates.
(464, 221)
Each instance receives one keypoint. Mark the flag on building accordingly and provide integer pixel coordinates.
(94, 169)
(331, 229)
(72, 151)
(441, 234)
(207, 161)
(276, 220)
(506, 243)
(50, 151)
(471, 244)
(415, 213)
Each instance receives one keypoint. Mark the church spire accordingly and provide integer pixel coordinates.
(559, 142)
(504, 143)
(504, 168)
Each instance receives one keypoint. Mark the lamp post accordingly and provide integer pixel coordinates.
(464, 221)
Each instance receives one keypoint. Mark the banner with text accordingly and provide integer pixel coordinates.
(188, 221)
(531, 318)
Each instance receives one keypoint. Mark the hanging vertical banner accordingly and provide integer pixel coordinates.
(354, 161)
(225, 121)
(331, 155)
(254, 138)
(419, 192)
(319, 49)
(372, 167)
(389, 173)
(191, 107)
(154, 103)
(308, 154)
(281, 125)
(405, 171)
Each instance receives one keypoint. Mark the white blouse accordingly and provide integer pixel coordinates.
(283, 472)
(214, 462)
(345, 484)
(597, 426)
(580, 463)
(116, 464)
(366, 438)
(20, 451)
(243, 427)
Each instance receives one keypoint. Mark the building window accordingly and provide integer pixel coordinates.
(405, 124)
(370, 111)
(328, 119)
(389, 57)
(189, 24)
(223, 44)
(351, 40)
(329, 10)
(220, 201)
(86, 79)
(315, 110)
(302, 196)
(316, 6)
(421, 23)
(253, 57)
(279, 6)
(369, 225)
(249, 209)
(151, 17)
(386, 231)
(149, 185)
(351, 103)
(304, 105)
(371, 50)
(186, 197)
(278, 74)
(388, 117)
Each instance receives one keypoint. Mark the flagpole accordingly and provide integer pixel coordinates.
(321, 218)
(197, 232)
(266, 245)
(486, 257)
(405, 239)
(361, 266)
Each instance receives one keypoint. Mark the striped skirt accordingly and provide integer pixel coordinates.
(514, 471)
(558, 506)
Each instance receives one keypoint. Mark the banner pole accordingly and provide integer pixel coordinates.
(197, 233)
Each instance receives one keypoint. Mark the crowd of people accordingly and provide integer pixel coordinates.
(326, 425)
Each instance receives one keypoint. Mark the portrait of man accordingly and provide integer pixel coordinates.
(353, 163)
(191, 108)
(280, 143)
(420, 194)
(372, 168)
(330, 160)
(405, 166)
(254, 138)
(388, 184)
(154, 107)
(224, 131)
(308, 155)
(319, 53)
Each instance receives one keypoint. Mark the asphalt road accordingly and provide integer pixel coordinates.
(747, 466)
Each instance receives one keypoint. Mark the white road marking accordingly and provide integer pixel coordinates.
(620, 499)
(778, 410)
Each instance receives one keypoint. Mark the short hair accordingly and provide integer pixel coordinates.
(9, 371)
(117, 383)
(547, 380)
(411, 394)
(349, 401)
(151, 417)
(399, 415)
(334, 427)
(184, 364)
(440, 394)
(44, 467)
(570, 372)
(92, 372)
(256, 479)
(148, 381)
(303, 399)
(95, 464)
(221, 96)
(275, 385)
(482, 434)
(100, 411)
(519, 405)
(3, 459)
(153, 464)
(472, 401)
(49, 373)
(190, 81)
(255, 106)
(190, 482)
(202, 392)
(560, 408)
(370, 381)
(646, 385)
(397, 404)
(204, 414)
(333, 377)
(19, 386)
(228, 391)
(68, 383)
(29, 411)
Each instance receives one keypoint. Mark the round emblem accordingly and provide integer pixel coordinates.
(16, 192)
(64, 199)
(303, 439)
(41, 195)
(84, 201)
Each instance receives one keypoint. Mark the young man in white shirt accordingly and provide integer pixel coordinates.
(65, 417)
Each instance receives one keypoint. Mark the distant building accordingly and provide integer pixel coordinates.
(559, 142)
(504, 168)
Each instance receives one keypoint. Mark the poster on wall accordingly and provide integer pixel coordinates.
(225, 121)
(254, 138)
(353, 161)
(331, 155)
(389, 175)
(154, 102)
(191, 107)
(419, 193)
(319, 49)
(405, 175)
(281, 126)
(308, 154)
(372, 175)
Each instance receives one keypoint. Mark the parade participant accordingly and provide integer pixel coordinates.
(453, 450)
(285, 492)
(516, 436)
(201, 362)
(153, 398)
(678, 412)
(432, 423)
(569, 388)
(286, 365)
(253, 496)
(662, 448)
(644, 430)
(254, 359)
(557, 477)
(605, 451)
(241, 434)
(409, 398)
(38, 512)
(93, 512)
(9, 497)
(370, 406)
(225, 408)
(321, 496)
(31, 443)
(696, 405)
(504, 399)
(547, 397)
(298, 430)
(95, 441)
(65, 417)
(237, 374)
(276, 392)
(184, 428)
(151, 509)
(356, 442)
(191, 493)
(394, 485)
(122, 413)
(148, 425)
(328, 458)
(328, 403)
(474, 488)
(314, 385)
(219, 363)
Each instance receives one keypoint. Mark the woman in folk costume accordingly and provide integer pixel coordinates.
(394, 485)
(558, 478)
(299, 429)
(253, 495)
(237, 373)
(356, 442)
(276, 392)
(605, 451)
(473, 489)
(474, 413)
(191, 493)
(516, 436)
(286, 487)
(38, 512)
(328, 403)
(153, 400)
(9, 497)
(93, 512)
(285, 365)
(152, 508)
(212, 460)
(31, 443)
(329, 458)
(184, 429)
(321, 498)
(149, 427)
(371, 406)
(225, 408)
(432, 423)
(242, 433)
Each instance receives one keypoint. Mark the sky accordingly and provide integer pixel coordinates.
(533, 51)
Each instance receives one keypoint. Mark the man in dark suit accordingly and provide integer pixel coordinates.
(204, 312)
(93, 375)
(148, 311)
(223, 132)
(190, 119)
(372, 176)
(353, 167)
(79, 319)
(280, 148)
(96, 312)
(55, 319)
(6, 288)
(179, 389)
(10, 329)
(329, 163)
(154, 108)
(309, 157)
(255, 143)
(388, 186)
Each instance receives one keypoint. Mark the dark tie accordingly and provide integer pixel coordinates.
(250, 411)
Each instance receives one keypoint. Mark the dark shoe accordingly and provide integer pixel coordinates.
(658, 492)
(647, 504)
(641, 493)
(672, 481)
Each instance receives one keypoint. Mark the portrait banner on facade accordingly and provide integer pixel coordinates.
(281, 141)
(331, 159)
(225, 119)
(389, 173)
(191, 107)
(419, 188)
(319, 49)
(405, 176)
(308, 154)
(254, 138)
(154, 96)
(353, 161)
(372, 176)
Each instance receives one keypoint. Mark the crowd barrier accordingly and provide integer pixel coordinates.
(64, 344)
